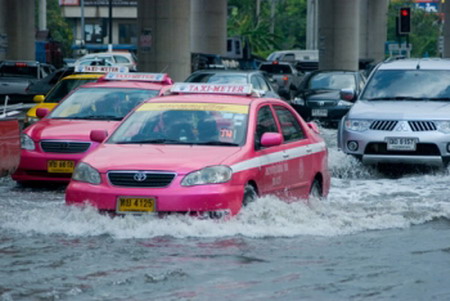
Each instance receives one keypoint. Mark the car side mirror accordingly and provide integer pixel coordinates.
(42, 112)
(271, 139)
(98, 135)
(347, 94)
(38, 98)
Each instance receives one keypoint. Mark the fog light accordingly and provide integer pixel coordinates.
(353, 146)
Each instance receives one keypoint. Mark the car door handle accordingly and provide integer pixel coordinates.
(285, 155)
(308, 150)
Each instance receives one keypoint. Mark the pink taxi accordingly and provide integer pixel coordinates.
(204, 149)
(52, 146)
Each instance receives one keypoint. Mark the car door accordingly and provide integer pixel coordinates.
(272, 173)
(297, 152)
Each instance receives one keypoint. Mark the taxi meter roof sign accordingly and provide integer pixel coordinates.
(235, 89)
(151, 77)
(101, 69)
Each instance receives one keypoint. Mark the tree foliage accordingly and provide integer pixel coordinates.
(285, 30)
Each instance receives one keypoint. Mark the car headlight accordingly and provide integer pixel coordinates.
(31, 120)
(26, 142)
(443, 126)
(345, 103)
(85, 173)
(298, 101)
(208, 175)
(358, 125)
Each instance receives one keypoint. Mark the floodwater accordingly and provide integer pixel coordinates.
(376, 237)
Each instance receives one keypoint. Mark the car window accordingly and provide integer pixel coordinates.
(332, 81)
(276, 69)
(63, 88)
(262, 83)
(420, 84)
(217, 78)
(266, 123)
(121, 59)
(290, 127)
(255, 83)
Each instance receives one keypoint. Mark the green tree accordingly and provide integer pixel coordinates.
(59, 28)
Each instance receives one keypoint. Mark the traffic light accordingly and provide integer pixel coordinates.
(404, 20)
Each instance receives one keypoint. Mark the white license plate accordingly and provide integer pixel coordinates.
(319, 112)
(401, 143)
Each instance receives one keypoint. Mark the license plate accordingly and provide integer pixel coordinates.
(319, 112)
(60, 166)
(135, 205)
(401, 143)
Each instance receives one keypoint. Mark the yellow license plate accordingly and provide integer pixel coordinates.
(60, 166)
(135, 204)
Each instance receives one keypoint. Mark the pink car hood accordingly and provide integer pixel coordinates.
(68, 129)
(178, 158)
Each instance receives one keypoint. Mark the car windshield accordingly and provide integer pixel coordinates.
(100, 103)
(184, 123)
(332, 81)
(408, 85)
(63, 87)
(216, 78)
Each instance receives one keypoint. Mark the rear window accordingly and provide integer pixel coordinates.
(19, 71)
(276, 69)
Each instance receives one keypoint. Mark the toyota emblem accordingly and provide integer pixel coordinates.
(140, 177)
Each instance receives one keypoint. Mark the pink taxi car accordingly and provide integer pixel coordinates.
(52, 146)
(205, 150)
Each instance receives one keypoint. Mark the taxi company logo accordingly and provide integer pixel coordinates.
(64, 145)
(140, 177)
(321, 103)
(402, 127)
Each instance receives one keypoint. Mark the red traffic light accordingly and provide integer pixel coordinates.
(404, 12)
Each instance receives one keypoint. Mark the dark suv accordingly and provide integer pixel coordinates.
(285, 75)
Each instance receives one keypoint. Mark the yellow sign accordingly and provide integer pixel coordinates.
(219, 107)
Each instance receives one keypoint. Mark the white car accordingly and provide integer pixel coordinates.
(126, 59)
(402, 115)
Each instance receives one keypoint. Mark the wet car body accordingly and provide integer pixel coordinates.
(52, 146)
(402, 116)
(319, 95)
(210, 177)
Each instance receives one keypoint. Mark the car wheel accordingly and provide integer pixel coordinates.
(250, 195)
(316, 190)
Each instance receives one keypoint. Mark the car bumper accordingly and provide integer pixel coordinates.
(326, 114)
(33, 167)
(431, 147)
(174, 198)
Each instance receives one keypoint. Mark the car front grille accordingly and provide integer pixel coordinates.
(422, 149)
(140, 178)
(422, 126)
(321, 104)
(383, 125)
(65, 147)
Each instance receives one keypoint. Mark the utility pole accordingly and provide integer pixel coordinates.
(110, 24)
(42, 14)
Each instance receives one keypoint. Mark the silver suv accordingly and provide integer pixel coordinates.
(402, 115)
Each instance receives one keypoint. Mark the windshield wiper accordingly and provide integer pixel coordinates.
(217, 143)
(97, 117)
(154, 141)
(398, 98)
(439, 98)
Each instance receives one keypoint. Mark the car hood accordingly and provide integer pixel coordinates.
(61, 129)
(399, 110)
(179, 158)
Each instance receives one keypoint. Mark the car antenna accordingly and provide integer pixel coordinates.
(164, 69)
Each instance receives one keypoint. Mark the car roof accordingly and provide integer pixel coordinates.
(214, 98)
(416, 64)
(125, 85)
(83, 76)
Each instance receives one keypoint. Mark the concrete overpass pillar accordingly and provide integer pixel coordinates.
(446, 11)
(3, 35)
(164, 37)
(209, 26)
(19, 21)
(373, 29)
(339, 34)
